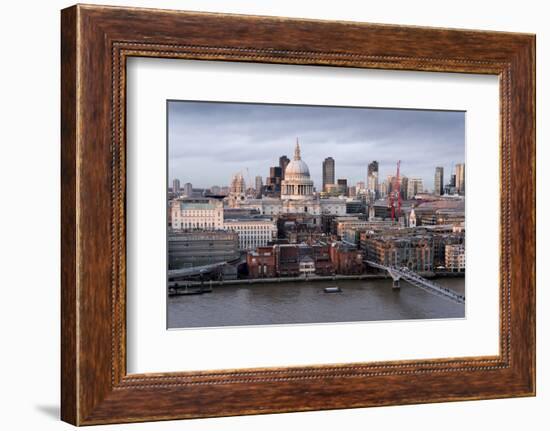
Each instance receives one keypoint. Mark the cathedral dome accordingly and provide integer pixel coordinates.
(297, 184)
(296, 168)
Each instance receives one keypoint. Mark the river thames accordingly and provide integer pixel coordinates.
(306, 302)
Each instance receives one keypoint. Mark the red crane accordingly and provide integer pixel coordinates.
(396, 194)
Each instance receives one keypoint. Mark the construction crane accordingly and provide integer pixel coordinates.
(395, 194)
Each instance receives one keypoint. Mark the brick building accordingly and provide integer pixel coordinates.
(346, 260)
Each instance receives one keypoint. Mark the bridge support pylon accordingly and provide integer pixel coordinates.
(396, 285)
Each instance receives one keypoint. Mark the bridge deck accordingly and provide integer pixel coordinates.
(419, 281)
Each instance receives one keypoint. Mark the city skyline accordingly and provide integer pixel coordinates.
(231, 137)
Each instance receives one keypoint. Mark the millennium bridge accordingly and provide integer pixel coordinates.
(418, 281)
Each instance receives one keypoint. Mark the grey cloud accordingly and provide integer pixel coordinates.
(210, 141)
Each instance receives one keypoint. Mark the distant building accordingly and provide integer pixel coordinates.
(273, 182)
(283, 162)
(414, 187)
(253, 232)
(196, 214)
(455, 258)
(197, 248)
(238, 186)
(372, 179)
(346, 260)
(438, 181)
(342, 186)
(176, 186)
(404, 187)
(413, 252)
(262, 262)
(328, 172)
(297, 184)
(460, 178)
(289, 260)
(259, 186)
(188, 189)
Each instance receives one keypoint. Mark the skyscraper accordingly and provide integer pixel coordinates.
(273, 181)
(188, 189)
(460, 178)
(372, 179)
(328, 172)
(404, 187)
(373, 167)
(259, 186)
(283, 161)
(438, 181)
(176, 186)
(414, 187)
(452, 182)
(343, 186)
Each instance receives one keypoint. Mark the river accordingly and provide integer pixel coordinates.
(306, 302)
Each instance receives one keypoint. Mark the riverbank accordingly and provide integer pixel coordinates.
(176, 285)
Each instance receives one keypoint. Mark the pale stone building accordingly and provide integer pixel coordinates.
(253, 232)
(206, 214)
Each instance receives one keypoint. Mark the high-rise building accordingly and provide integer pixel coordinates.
(343, 186)
(259, 186)
(414, 187)
(176, 186)
(328, 172)
(404, 186)
(372, 179)
(283, 162)
(274, 180)
(188, 189)
(460, 178)
(438, 181)
(372, 168)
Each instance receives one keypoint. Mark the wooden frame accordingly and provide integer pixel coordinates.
(96, 41)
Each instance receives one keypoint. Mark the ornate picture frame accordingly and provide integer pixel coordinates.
(96, 41)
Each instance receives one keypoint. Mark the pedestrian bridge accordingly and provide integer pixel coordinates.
(203, 269)
(418, 281)
(196, 270)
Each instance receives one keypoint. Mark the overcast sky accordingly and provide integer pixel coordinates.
(208, 142)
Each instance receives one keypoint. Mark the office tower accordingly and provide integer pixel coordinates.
(343, 186)
(283, 162)
(438, 181)
(259, 186)
(372, 168)
(372, 179)
(460, 178)
(404, 187)
(273, 181)
(328, 172)
(414, 187)
(188, 189)
(452, 183)
(176, 186)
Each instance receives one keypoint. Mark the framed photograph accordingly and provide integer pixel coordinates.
(263, 214)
